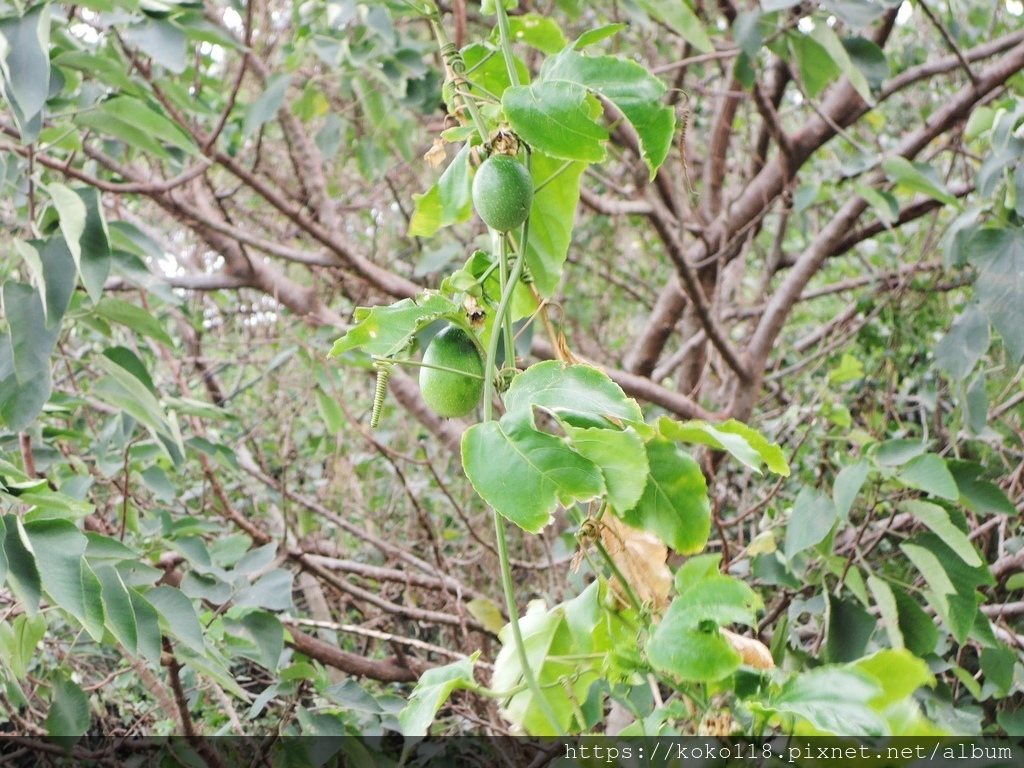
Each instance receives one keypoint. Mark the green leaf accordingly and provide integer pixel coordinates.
(849, 369)
(431, 692)
(388, 330)
(18, 642)
(937, 519)
(29, 254)
(831, 700)
(556, 118)
(897, 672)
(887, 609)
(813, 516)
(580, 395)
(267, 633)
(85, 232)
(3, 551)
(162, 41)
(273, 591)
(621, 458)
(544, 634)
(66, 576)
(846, 487)
(981, 496)
(19, 404)
(213, 664)
(25, 66)
(744, 443)
(856, 13)
(567, 649)
(536, 31)
(59, 271)
(596, 35)
(998, 665)
(128, 360)
(68, 715)
(134, 317)
(817, 69)
(929, 473)
(952, 582)
(147, 624)
(919, 631)
(919, 177)
(894, 453)
(687, 643)
(850, 627)
(145, 118)
(266, 104)
(697, 654)
(553, 113)
(22, 569)
(551, 218)
(525, 474)
(869, 59)
(930, 567)
(31, 341)
(976, 402)
(117, 603)
(135, 138)
(123, 390)
(998, 256)
(883, 203)
(447, 202)
(964, 345)
(829, 40)
(177, 616)
(675, 503)
(680, 18)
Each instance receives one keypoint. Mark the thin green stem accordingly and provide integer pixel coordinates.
(507, 289)
(617, 573)
(418, 364)
(506, 43)
(506, 318)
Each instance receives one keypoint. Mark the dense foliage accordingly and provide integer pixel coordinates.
(749, 452)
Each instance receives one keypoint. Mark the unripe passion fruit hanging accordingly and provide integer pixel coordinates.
(452, 393)
(502, 192)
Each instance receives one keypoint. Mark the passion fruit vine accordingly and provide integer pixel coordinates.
(456, 392)
(502, 192)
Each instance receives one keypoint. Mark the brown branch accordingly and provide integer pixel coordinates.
(664, 224)
(715, 171)
(948, 63)
(668, 308)
(807, 264)
(611, 207)
(383, 670)
(379, 573)
(950, 42)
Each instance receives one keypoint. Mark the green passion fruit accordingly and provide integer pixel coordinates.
(455, 392)
(502, 192)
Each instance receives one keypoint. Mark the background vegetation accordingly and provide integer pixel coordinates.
(203, 535)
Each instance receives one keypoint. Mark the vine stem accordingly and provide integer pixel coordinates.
(505, 38)
(508, 286)
(503, 316)
(446, 45)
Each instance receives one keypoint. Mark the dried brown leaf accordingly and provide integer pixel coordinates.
(641, 558)
(436, 154)
(753, 652)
